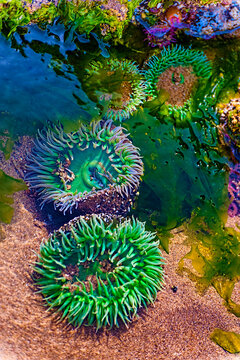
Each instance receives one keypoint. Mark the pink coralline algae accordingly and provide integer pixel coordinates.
(160, 36)
(36, 4)
(208, 21)
(234, 191)
(162, 32)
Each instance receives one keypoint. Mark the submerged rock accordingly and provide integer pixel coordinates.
(215, 19)
(207, 21)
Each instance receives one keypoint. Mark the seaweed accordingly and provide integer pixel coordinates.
(8, 186)
(214, 254)
(83, 17)
(13, 15)
(228, 340)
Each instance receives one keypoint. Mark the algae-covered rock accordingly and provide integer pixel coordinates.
(228, 340)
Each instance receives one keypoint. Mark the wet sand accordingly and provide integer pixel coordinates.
(177, 327)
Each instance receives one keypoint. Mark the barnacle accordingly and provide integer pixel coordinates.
(98, 271)
(175, 76)
(119, 83)
(95, 169)
(229, 128)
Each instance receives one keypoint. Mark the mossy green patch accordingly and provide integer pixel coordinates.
(6, 146)
(12, 15)
(8, 186)
(81, 16)
(153, 3)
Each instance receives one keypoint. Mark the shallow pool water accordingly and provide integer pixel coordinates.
(55, 76)
(38, 85)
(42, 80)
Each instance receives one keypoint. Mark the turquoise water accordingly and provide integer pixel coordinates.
(37, 84)
(41, 81)
(186, 168)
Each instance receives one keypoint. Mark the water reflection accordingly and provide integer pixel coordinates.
(37, 84)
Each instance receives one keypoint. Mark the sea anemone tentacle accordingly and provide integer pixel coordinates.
(97, 271)
(173, 78)
(119, 83)
(95, 169)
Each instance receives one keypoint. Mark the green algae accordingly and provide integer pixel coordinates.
(81, 16)
(215, 250)
(228, 340)
(214, 255)
(8, 186)
(6, 146)
(225, 287)
(12, 15)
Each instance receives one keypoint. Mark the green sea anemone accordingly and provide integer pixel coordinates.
(118, 83)
(96, 271)
(95, 169)
(173, 77)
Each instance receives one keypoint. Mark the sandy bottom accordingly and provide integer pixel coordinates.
(177, 327)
